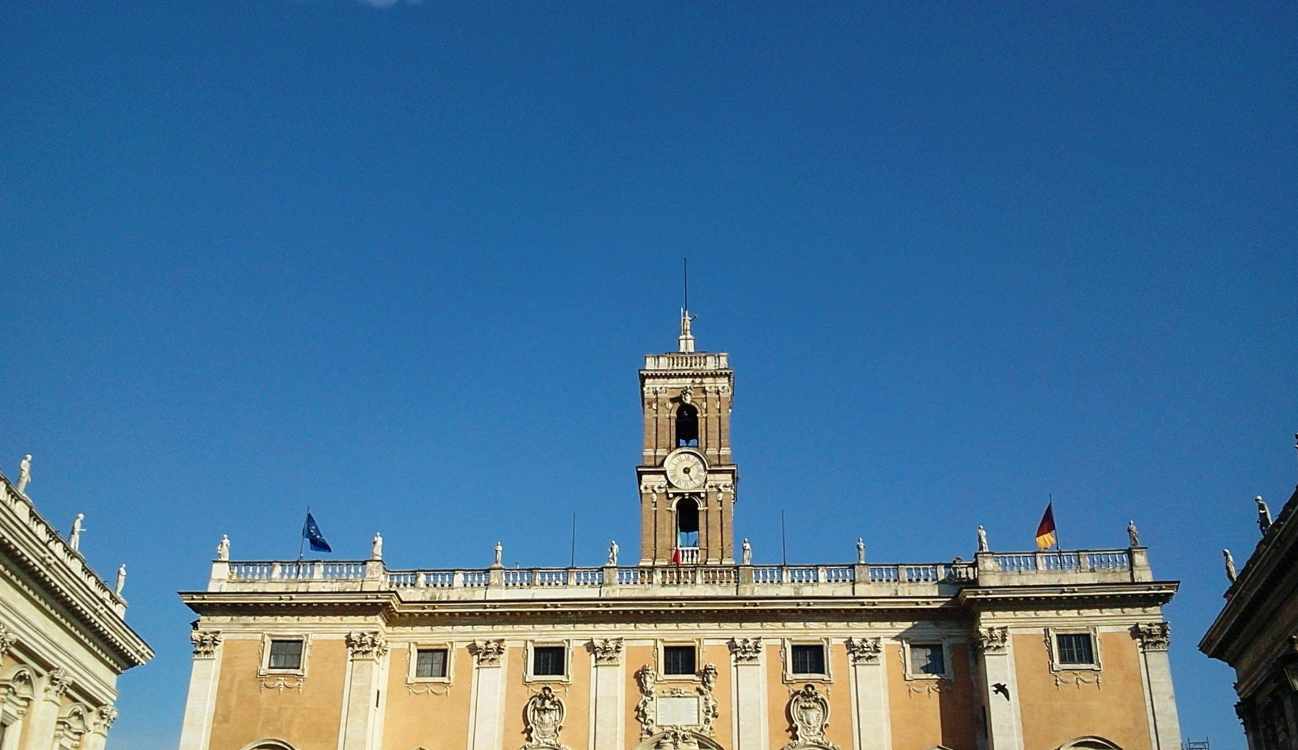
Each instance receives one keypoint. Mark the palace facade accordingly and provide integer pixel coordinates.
(63, 636)
(1256, 631)
(692, 646)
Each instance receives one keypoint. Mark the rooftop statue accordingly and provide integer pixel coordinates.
(860, 551)
(1133, 534)
(1263, 514)
(24, 473)
(1231, 573)
(982, 539)
(376, 547)
(747, 551)
(74, 539)
(223, 548)
(612, 552)
(121, 579)
(498, 561)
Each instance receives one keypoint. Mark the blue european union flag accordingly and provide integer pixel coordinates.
(311, 532)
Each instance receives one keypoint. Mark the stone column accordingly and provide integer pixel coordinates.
(750, 694)
(365, 650)
(871, 723)
(1156, 674)
(1000, 690)
(606, 724)
(487, 709)
(99, 726)
(43, 712)
(200, 702)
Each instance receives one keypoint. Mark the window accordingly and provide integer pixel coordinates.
(1075, 649)
(927, 659)
(285, 654)
(547, 661)
(808, 659)
(430, 662)
(678, 660)
(687, 523)
(687, 426)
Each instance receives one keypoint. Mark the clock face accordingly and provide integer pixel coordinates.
(686, 470)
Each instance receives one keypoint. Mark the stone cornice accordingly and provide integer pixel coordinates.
(996, 597)
(61, 574)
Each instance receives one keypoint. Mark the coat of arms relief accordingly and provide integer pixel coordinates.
(809, 716)
(542, 720)
(676, 718)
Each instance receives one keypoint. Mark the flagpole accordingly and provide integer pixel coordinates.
(301, 537)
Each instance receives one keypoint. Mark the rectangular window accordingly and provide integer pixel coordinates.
(547, 661)
(678, 660)
(927, 658)
(430, 662)
(1075, 649)
(809, 659)
(286, 654)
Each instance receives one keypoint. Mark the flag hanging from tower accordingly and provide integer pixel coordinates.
(311, 533)
(1046, 537)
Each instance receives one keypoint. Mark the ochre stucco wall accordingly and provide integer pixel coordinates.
(1052, 715)
(575, 696)
(923, 717)
(837, 691)
(439, 718)
(308, 719)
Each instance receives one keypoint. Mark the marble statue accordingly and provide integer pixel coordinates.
(24, 473)
(982, 539)
(223, 548)
(1133, 534)
(747, 552)
(376, 547)
(121, 579)
(612, 552)
(1231, 573)
(1263, 514)
(860, 551)
(500, 556)
(74, 539)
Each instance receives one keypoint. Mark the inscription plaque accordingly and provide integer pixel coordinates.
(678, 711)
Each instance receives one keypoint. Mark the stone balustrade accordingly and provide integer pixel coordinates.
(872, 579)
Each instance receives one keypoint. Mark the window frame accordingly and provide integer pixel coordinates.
(662, 647)
(944, 643)
(412, 660)
(825, 649)
(267, 638)
(1052, 644)
(529, 675)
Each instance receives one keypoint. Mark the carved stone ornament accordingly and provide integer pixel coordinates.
(646, 710)
(993, 640)
(543, 719)
(58, 683)
(105, 715)
(746, 650)
(1153, 636)
(607, 651)
(366, 645)
(864, 650)
(700, 726)
(677, 738)
(488, 653)
(205, 643)
(7, 639)
(809, 716)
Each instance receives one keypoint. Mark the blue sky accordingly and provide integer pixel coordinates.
(400, 264)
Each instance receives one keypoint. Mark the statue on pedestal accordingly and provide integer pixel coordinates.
(74, 539)
(1231, 573)
(498, 561)
(24, 473)
(121, 579)
(747, 552)
(860, 551)
(223, 548)
(982, 539)
(1133, 535)
(1263, 514)
(612, 552)
(376, 547)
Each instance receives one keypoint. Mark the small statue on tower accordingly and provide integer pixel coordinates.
(1263, 514)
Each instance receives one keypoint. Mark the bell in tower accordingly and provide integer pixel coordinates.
(687, 475)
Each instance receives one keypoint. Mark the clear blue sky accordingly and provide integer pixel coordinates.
(400, 264)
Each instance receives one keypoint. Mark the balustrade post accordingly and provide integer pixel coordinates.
(275, 571)
(610, 575)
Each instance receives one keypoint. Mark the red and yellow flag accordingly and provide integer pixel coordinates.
(1046, 529)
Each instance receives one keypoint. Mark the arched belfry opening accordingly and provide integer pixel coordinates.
(687, 426)
(687, 523)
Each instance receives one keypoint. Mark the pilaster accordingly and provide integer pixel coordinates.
(871, 722)
(607, 689)
(102, 721)
(43, 712)
(1156, 674)
(750, 694)
(488, 695)
(200, 701)
(999, 687)
(366, 652)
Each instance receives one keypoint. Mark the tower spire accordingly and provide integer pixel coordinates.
(685, 342)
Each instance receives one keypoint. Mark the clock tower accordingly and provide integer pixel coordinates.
(687, 476)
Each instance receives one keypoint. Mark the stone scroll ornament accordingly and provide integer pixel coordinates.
(543, 720)
(809, 717)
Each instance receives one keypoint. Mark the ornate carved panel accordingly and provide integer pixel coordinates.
(864, 650)
(543, 720)
(808, 719)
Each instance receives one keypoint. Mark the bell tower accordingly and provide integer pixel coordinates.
(687, 476)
